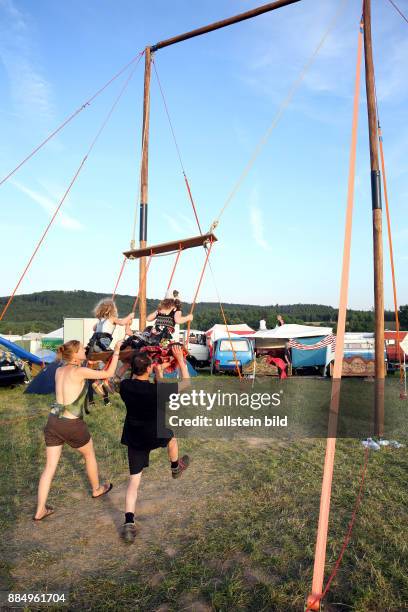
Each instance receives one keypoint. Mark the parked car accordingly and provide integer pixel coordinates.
(198, 351)
(11, 369)
(226, 351)
(394, 352)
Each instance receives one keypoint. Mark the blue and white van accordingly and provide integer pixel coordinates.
(226, 351)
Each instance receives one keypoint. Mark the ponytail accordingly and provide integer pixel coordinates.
(66, 351)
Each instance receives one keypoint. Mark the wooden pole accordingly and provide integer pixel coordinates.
(377, 223)
(144, 183)
(260, 10)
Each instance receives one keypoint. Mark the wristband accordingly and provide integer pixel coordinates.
(116, 354)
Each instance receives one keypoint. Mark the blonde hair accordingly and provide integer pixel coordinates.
(66, 351)
(105, 309)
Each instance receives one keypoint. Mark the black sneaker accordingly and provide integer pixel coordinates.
(183, 464)
(107, 401)
(129, 533)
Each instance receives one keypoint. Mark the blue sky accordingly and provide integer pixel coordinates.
(280, 240)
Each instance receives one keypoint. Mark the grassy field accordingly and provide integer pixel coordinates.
(237, 532)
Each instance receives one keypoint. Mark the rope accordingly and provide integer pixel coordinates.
(322, 528)
(398, 10)
(195, 213)
(144, 278)
(282, 108)
(72, 116)
(225, 323)
(394, 284)
(208, 251)
(387, 209)
(81, 165)
(174, 268)
(347, 537)
(190, 195)
(119, 277)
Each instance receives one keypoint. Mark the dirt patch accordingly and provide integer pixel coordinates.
(83, 536)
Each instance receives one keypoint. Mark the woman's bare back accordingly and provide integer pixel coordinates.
(68, 385)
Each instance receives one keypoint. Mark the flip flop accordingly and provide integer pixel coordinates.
(107, 487)
(48, 511)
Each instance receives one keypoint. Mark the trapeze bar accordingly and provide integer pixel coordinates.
(170, 247)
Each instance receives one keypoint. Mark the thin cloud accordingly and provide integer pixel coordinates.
(257, 225)
(181, 224)
(63, 219)
(29, 88)
(175, 225)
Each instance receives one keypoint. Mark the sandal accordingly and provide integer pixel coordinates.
(48, 511)
(107, 487)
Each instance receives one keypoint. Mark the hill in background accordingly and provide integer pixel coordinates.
(45, 311)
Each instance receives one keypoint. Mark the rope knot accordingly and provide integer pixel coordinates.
(214, 225)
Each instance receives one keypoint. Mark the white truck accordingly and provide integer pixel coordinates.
(198, 349)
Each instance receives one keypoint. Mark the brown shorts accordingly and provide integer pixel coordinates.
(72, 431)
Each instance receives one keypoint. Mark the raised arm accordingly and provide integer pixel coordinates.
(152, 316)
(178, 317)
(89, 374)
(125, 320)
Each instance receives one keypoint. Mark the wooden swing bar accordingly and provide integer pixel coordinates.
(171, 247)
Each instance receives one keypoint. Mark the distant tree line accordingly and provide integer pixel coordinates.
(46, 310)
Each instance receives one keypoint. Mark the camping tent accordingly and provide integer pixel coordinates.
(311, 345)
(22, 353)
(292, 330)
(221, 331)
(44, 382)
(53, 340)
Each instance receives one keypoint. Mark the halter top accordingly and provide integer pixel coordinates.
(104, 326)
(165, 321)
(78, 407)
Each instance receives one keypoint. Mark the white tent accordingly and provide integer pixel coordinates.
(291, 330)
(220, 331)
(57, 333)
(33, 336)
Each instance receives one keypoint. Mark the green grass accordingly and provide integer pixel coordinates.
(245, 540)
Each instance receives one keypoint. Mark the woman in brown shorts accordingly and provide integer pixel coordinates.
(65, 422)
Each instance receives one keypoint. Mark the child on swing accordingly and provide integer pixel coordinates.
(166, 317)
(107, 314)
